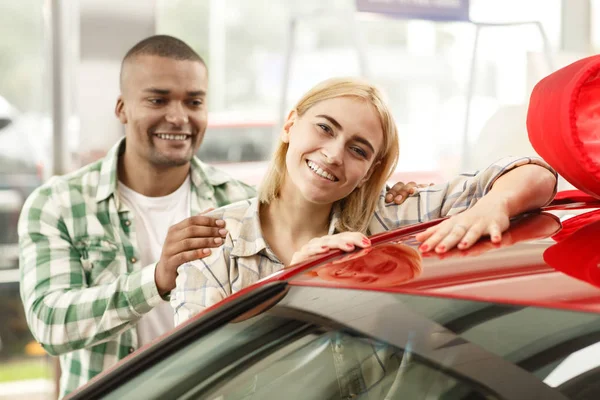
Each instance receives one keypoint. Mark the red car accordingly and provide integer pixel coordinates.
(516, 320)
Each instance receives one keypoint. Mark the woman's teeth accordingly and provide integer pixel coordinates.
(317, 170)
(172, 137)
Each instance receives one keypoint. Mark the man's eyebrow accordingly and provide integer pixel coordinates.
(164, 92)
(196, 93)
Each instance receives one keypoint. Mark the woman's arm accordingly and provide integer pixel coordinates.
(524, 188)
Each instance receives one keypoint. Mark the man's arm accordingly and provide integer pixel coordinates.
(63, 312)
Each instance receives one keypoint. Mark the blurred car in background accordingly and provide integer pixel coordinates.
(518, 320)
(240, 145)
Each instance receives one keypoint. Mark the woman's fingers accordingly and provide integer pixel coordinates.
(458, 232)
(346, 241)
(451, 238)
(471, 237)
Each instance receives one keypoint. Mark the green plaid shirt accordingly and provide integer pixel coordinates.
(82, 284)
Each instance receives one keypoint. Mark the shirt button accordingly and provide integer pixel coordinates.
(133, 260)
(127, 222)
(131, 350)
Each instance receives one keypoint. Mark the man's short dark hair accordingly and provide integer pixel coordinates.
(162, 46)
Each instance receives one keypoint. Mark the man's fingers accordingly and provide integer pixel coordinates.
(206, 210)
(189, 244)
(187, 256)
(194, 231)
(203, 220)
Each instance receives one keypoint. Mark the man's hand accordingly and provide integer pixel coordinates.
(189, 240)
(400, 191)
(489, 217)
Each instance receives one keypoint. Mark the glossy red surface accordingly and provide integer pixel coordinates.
(534, 264)
(537, 263)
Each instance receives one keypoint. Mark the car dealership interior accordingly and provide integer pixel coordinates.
(456, 74)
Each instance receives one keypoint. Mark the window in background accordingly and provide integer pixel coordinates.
(25, 143)
(422, 65)
(595, 25)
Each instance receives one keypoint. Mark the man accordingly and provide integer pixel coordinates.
(99, 247)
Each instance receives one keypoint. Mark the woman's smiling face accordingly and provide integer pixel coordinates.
(332, 148)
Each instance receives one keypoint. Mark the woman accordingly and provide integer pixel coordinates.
(323, 191)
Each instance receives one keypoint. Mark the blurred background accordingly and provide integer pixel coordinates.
(458, 83)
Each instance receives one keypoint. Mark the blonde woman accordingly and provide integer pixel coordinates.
(325, 190)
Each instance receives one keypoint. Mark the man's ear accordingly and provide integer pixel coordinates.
(368, 175)
(120, 110)
(289, 122)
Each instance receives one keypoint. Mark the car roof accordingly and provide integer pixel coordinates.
(534, 265)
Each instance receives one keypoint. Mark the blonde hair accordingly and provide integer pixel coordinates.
(356, 209)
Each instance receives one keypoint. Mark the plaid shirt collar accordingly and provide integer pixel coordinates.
(251, 227)
(202, 183)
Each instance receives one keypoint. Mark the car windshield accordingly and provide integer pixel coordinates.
(324, 343)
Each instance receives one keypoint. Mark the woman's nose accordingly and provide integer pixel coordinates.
(333, 154)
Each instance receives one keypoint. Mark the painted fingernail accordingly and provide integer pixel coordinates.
(324, 247)
(222, 232)
(423, 248)
(440, 248)
(463, 244)
(366, 241)
(349, 246)
(218, 240)
(496, 237)
(399, 197)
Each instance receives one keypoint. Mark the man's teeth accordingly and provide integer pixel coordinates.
(172, 137)
(320, 171)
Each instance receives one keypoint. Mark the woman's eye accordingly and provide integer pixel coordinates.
(360, 152)
(325, 128)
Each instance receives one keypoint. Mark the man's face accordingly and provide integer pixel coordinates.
(163, 108)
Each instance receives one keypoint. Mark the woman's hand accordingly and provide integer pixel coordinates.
(346, 241)
(489, 217)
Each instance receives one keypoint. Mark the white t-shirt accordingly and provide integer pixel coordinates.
(153, 216)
